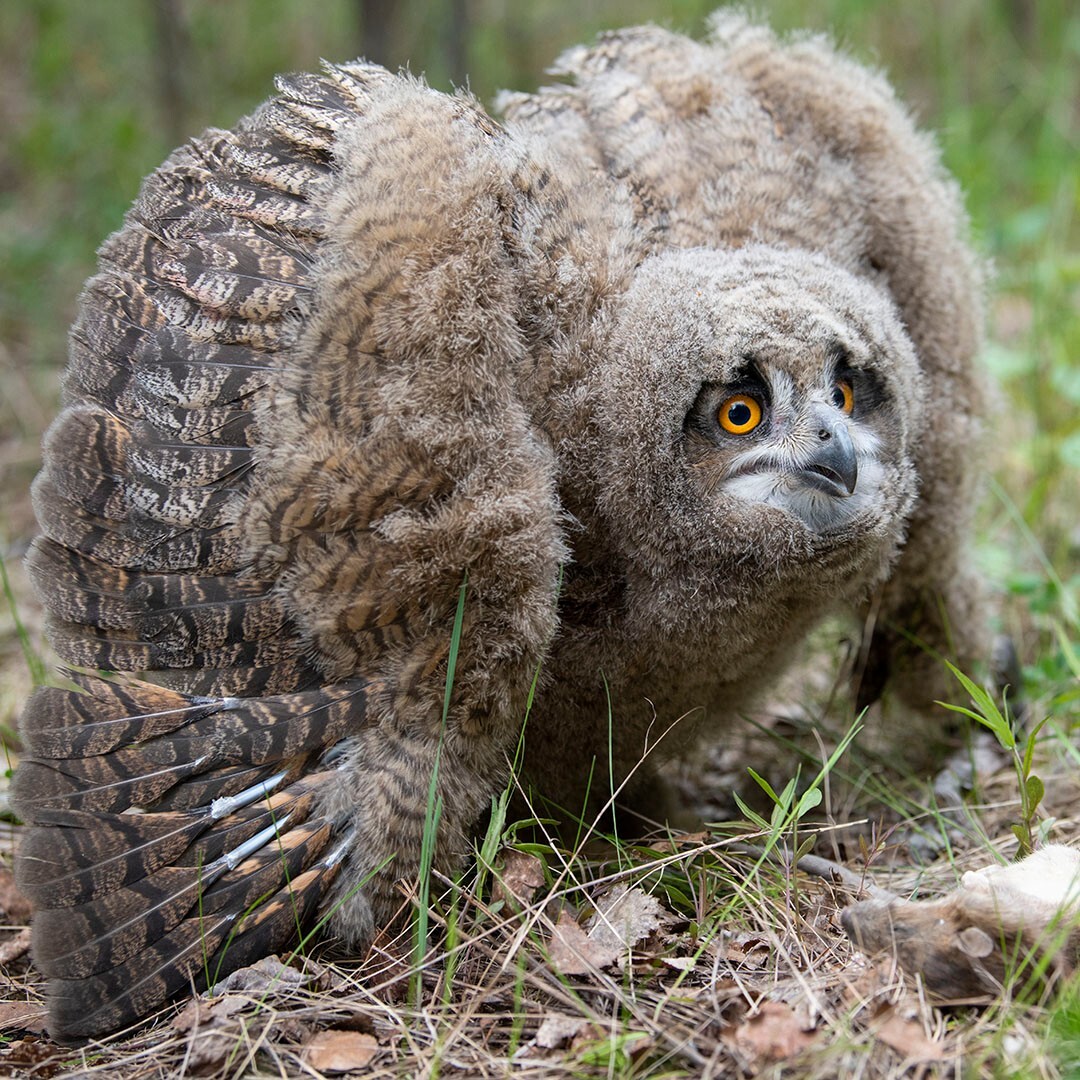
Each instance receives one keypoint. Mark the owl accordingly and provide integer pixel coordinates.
(394, 436)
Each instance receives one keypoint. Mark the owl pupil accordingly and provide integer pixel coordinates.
(838, 397)
(739, 414)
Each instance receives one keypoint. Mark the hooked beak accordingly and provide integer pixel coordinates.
(833, 469)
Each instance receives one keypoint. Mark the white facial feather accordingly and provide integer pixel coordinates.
(768, 472)
(819, 512)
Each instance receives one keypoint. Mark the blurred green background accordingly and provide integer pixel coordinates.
(94, 94)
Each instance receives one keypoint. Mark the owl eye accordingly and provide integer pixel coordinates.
(739, 415)
(843, 397)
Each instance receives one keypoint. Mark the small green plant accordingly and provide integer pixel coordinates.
(788, 810)
(433, 815)
(1063, 1030)
(38, 671)
(613, 1053)
(998, 721)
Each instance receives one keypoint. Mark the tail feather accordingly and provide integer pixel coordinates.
(205, 748)
(81, 856)
(283, 916)
(91, 647)
(105, 715)
(199, 950)
(172, 836)
(279, 677)
(152, 372)
(108, 930)
(76, 856)
(110, 999)
(91, 784)
(171, 616)
(225, 783)
(137, 542)
(175, 826)
(261, 874)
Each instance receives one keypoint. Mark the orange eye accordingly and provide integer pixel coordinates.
(739, 415)
(843, 397)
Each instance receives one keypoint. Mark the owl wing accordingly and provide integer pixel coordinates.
(293, 433)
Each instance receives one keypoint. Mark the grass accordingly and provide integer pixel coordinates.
(747, 970)
(434, 809)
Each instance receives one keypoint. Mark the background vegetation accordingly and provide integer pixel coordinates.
(94, 95)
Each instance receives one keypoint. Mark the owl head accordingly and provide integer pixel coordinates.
(759, 408)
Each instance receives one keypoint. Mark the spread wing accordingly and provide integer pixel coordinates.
(293, 429)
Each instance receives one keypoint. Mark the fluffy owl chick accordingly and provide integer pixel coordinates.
(630, 391)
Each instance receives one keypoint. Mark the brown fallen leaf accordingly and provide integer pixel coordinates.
(195, 1013)
(557, 1029)
(15, 947)
(522, 874)
(679, 963)
(571, 950)
(906, 1036)
(14, 907)
(624, 916)
(205, 1014)
(340, 1051)
(22, 1016)
(37, 1056)
(265, 975)
(744, 948)
(772, 1033)
(212, 1031)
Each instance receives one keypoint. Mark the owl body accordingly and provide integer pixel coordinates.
(389, 429)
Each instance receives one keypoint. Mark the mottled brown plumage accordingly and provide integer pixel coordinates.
(371, 348)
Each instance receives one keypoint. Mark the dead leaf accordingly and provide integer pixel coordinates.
(40, 1058)
(195, 1013)
(207, 1052)
(212, 1031)
(679, 963)
(14, 907)
(748, 950)
(572, 951)
(624, 917)
(22, 1016)
(907, 1037)
(340, 1051)
(867, 981)
(15, 947)
(522, 875)
(267, 974)
(202, 1014)
(557, 1029)
(772, 1033)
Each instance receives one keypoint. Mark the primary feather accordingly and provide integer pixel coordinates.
(371, 347)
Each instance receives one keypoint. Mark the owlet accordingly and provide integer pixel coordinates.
(633, 386)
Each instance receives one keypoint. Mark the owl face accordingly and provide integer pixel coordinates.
(806, 446)
(759, 408)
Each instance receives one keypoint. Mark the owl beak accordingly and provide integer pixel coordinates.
(833, 467)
